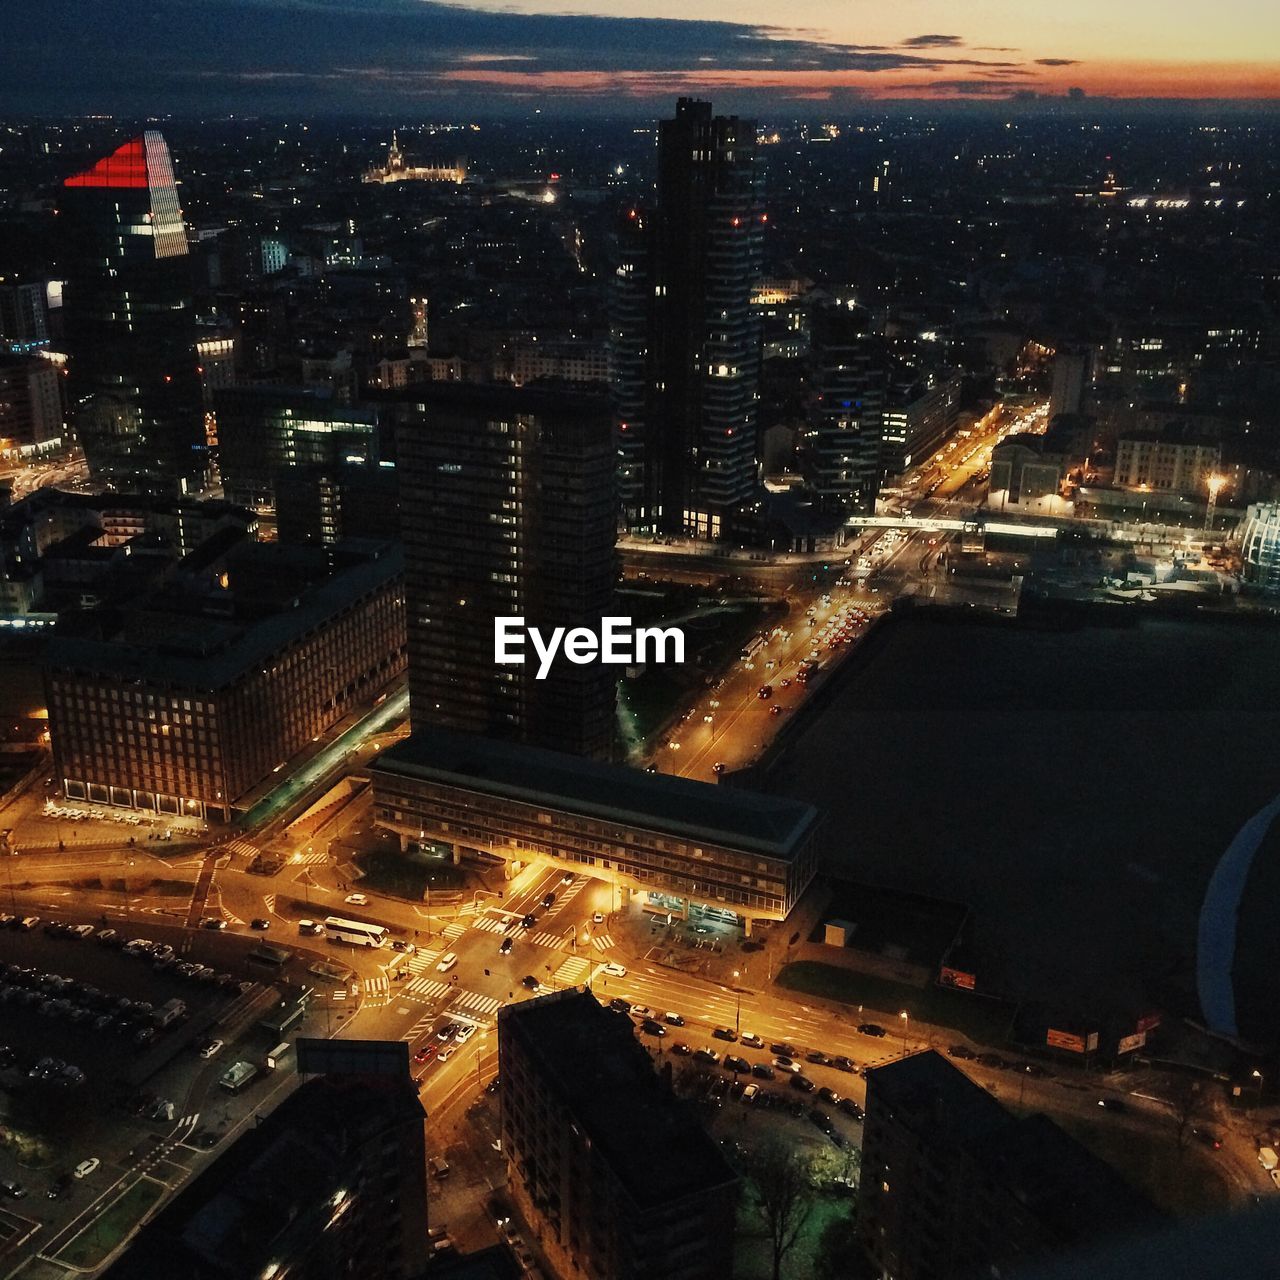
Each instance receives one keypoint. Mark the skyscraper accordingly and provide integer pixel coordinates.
(629, 295)
(848, 382)
(704, 351)
(507, 510)
(130, 327)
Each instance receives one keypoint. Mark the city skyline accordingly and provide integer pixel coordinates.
(271, 57)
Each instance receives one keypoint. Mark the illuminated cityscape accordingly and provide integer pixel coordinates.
(638, 643)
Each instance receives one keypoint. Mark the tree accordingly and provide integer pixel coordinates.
(840, 1255)
(784, 1195)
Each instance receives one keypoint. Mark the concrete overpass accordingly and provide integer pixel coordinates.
(951, 524)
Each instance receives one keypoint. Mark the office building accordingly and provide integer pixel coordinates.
(507, 510)
(265, 432)
(329, 1185)
(704, 347)
(130, 331)
(848, 385)
(955, 1187)
(324, 505)
(30, 405)
(629, 294)
(613, 1174)
(923, 410)
(1169, 461)
(1260, 547)
(1072, 381)
(688, 848)
(203, 692)
(24, 316)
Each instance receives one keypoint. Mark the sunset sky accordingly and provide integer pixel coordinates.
(354, 56)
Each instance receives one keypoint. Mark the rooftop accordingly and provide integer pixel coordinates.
(590, 1056)
(746, 820)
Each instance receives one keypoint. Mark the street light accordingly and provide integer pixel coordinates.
(906, 1021)
(737, 1013)
(1257, 1075)
(1215, 484)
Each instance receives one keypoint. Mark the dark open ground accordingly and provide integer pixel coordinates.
(1075, 787)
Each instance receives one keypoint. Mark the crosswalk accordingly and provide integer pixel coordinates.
(472, 1001)
(242, 847)
(490, 925)
(377, 986)
(573, 971)
(269, 901)
(603, 943)
(310, 859)
(452, 932)
(566, 896)
(421, 961)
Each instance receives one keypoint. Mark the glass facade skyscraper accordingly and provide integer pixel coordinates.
(130, 325)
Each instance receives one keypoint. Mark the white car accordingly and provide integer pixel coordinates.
(356, 900)
(749, 1040)
(641, 1011)
(86, 1167)
(446, 1053)
(598, 918)
(447, 962)
(615, 970)
(465, 1034)
(211, 1048)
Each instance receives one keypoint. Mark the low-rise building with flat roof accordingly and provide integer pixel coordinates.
(614, 1175)
(697, 845)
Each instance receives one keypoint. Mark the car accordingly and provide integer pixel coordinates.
(709, 1056)
(14, 1190)
(446, 1053)
(782, 1047)
(851, 1108)
(403, 947)
(211, 1048)
(725, 1033)
(775, 710)
(765, 691)
(1274, 1175)
(619, 1005)
(962, 1051)
(829, 1096)
(310, 928)
(356, 900)
(504, 947)
(843, 1064)
(681, 1050)
(597, 917)
(548, 899)
(784, 684)
(993, 1060)
(530, 983)
(448, 1031)
(736, 1064)
(641, 1011)
(651, 1027)
(749, 1040)
(1207, 1137)
(86, 1167)
(529, 921)
(446, 962)
(58, 1187)
(872, 1029)
(803, 1083)
(260, 923)
(783, 1063)
(750, 1093)
(763, 1071)
(465, 1031)
(817, 1057)
(615, 970)
(426, 1052)
(673, 1019)
(718, 767)
(1113, 1104)
(213, 922)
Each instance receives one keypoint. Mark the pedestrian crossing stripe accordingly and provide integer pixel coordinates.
(419, 1027)
(567, 896)
(452, 932)
(573, 970)
(428, 987)
(374, 986)
(602, 943)
(269, 901)
(310, 859)
(476, 1003)
(243, 847)
(490, 925)
(421, 960)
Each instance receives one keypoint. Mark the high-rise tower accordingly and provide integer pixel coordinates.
(507, 510)
(629, 295)
(130, 324)
(704, 351)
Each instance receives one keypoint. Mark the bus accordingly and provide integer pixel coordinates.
(356, 932)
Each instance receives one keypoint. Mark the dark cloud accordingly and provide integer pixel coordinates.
(933, 42)
(1057, 62)
(363, 56)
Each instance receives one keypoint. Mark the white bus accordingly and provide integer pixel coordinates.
(356, 932)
